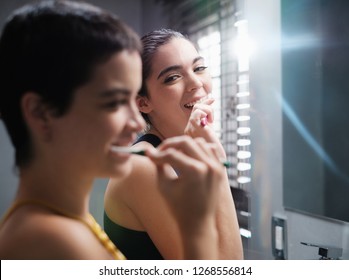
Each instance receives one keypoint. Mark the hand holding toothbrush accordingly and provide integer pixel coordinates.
(200, 124)
(193, 194)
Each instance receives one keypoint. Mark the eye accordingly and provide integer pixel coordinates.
(171, 78)
(200, 68)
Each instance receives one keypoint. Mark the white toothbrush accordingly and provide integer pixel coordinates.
(128, 150)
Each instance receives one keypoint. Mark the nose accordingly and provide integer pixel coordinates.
(194, 82)
(136, 121)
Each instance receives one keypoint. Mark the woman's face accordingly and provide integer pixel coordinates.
(103, 114)
(178, 80)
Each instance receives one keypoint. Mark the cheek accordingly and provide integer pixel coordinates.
(164, 96)
(99, 134)
(171, 99)
(99, 129)
(112, 125)
(207, 81)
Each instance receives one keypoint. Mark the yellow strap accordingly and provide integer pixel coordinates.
(91, 224)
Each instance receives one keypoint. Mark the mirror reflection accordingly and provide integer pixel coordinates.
(315, 107)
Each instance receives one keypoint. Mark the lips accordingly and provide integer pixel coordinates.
(191, 104)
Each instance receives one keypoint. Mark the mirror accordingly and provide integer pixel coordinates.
(315, 78)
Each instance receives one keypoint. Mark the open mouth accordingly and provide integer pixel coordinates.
(191, 104)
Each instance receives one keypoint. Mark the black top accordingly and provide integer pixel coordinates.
(150, 138)
(134, 244)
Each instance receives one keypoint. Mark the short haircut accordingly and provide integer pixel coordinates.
(52, 48)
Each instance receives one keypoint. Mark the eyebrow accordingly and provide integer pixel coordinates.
(114, 91)
(176, 67)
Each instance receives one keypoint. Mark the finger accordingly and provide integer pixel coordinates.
(207, 109)
(200, 121)
(208, 101)
(165, 172)
(144, 146)
(184, 165)
(210, 149)
(186, 145)
(199, 118)
(203, 122)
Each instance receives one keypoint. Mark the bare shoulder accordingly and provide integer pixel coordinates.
(122, 197)
(39, 235)
(142, 176)
(131, 202)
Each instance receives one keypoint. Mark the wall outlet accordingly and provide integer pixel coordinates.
(278, 235)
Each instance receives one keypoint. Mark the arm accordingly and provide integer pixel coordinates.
(193, 195)
(228, 229)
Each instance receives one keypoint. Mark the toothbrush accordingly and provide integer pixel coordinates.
(141, 152)
(128, 150)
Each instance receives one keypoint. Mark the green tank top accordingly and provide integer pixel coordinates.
(135, 245)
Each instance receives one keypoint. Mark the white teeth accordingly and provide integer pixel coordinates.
(191, 104)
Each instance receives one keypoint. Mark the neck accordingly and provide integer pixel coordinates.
(155, 131)
(59, 190)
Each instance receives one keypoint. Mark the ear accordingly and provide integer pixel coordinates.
(143, 104)
(36, 114)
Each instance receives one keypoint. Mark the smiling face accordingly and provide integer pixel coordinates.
(103, 114)
(178, 80)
